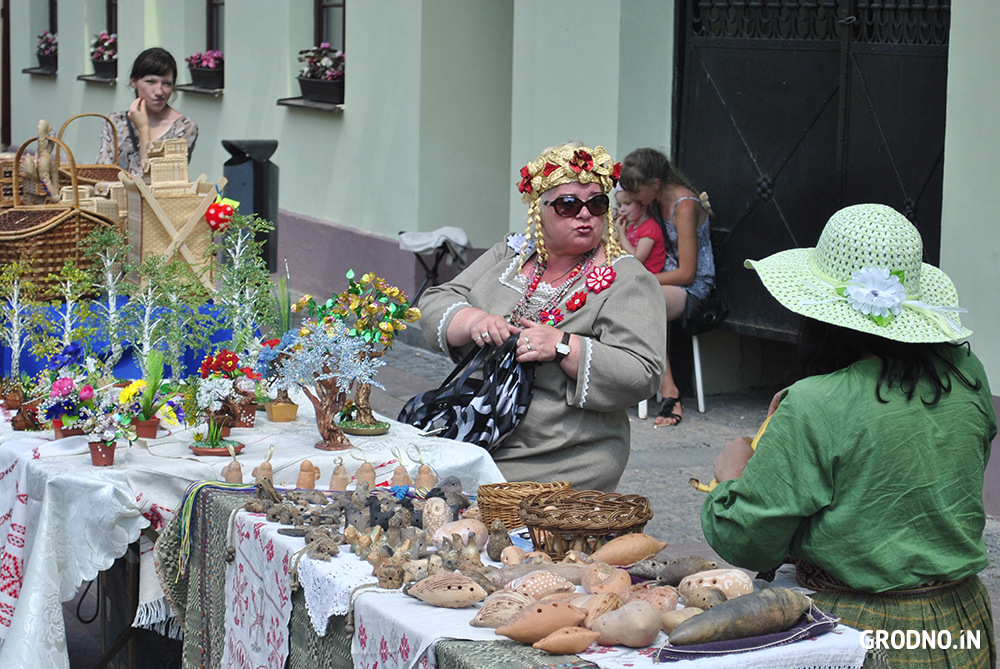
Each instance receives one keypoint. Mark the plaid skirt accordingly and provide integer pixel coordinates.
(963, 609)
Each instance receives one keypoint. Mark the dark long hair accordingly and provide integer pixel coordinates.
(825, 348)
(154, 61)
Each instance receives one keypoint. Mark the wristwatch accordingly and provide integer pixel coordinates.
(562, 348)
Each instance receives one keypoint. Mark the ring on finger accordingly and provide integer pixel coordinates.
(485, 335)
(527, 346)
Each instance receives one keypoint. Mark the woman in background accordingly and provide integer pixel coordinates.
(652, 181)
(149, 118)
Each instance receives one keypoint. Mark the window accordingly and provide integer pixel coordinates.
(213, 38)
(328, 23)
(54, 17)
(111, 12)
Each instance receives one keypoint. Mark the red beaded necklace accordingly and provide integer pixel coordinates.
(521, 308)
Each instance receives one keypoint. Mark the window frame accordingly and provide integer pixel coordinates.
(214, 16)
(320, 26)
(111, 16)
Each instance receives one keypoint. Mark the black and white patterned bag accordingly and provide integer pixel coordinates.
(471, 410)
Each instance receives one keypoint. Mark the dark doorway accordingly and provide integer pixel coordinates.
(788, 111)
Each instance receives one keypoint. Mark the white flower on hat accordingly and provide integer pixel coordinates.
(875, 292)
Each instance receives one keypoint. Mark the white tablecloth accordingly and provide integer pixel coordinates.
(80, 518)
(396, 631)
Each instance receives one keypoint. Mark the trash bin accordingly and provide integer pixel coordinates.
(253, 182)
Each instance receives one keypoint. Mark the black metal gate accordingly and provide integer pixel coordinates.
(790, 110)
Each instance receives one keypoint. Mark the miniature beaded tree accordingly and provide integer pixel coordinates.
(373, 312)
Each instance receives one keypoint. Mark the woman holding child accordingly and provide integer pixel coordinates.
(649, 179)
(588, 315)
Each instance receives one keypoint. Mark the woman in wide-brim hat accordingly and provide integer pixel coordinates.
(869, 472)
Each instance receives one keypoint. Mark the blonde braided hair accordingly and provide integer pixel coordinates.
(564, 164)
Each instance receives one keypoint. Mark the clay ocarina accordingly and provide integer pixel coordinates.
(663, 597)
(567, 641)
(500, 607)
(732, 582)
(365, 473)
(450, 590)
(308, 474)
(463, 528)
(705, 598)
(671, 619)
(635, 625)
(401, 477)
(436, 513)
(602, 577)
(340, 477)
(498, 540)
(540, 583)
(512, 555)
(537, 621)
(628, 549)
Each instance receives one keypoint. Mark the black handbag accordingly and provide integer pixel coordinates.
(701, 315)
(482, 411)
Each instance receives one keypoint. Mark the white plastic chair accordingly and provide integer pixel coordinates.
(699, 387)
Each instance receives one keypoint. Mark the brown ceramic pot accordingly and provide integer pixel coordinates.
(102, 454)
(146, 429)
(62, 432)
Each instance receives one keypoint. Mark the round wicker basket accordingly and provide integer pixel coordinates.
(503, 500)
(582, 520)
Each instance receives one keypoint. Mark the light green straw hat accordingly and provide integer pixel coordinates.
(866, 273)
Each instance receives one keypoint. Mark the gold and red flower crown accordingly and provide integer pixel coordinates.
(563, 164)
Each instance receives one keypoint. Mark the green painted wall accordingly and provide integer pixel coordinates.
(446, 99)
(970, 236)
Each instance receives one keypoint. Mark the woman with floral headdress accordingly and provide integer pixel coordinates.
(589, 317)
(868, 473)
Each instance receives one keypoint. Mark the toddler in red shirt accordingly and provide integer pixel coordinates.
(642, 238)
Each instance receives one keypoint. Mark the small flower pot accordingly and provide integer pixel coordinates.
(322, 90)
(209, 78)
(146, 429)
(102, 453)
(48, 61)
(62, 432)
(106, 69)
(284, 412)
(248, 415)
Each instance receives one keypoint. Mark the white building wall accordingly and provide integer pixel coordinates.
(970, 234)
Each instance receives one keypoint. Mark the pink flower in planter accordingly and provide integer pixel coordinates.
(86, 393)
(62, 387)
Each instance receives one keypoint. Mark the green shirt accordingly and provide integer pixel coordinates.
(881, 496)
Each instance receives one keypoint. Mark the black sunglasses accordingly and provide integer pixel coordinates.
(569, 206)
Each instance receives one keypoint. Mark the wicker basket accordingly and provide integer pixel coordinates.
(176, 146)
(29, 191)
(582, 520)
(503, 500)
(168, 169)
(155, 218)
(93, 173)
(46, 236)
